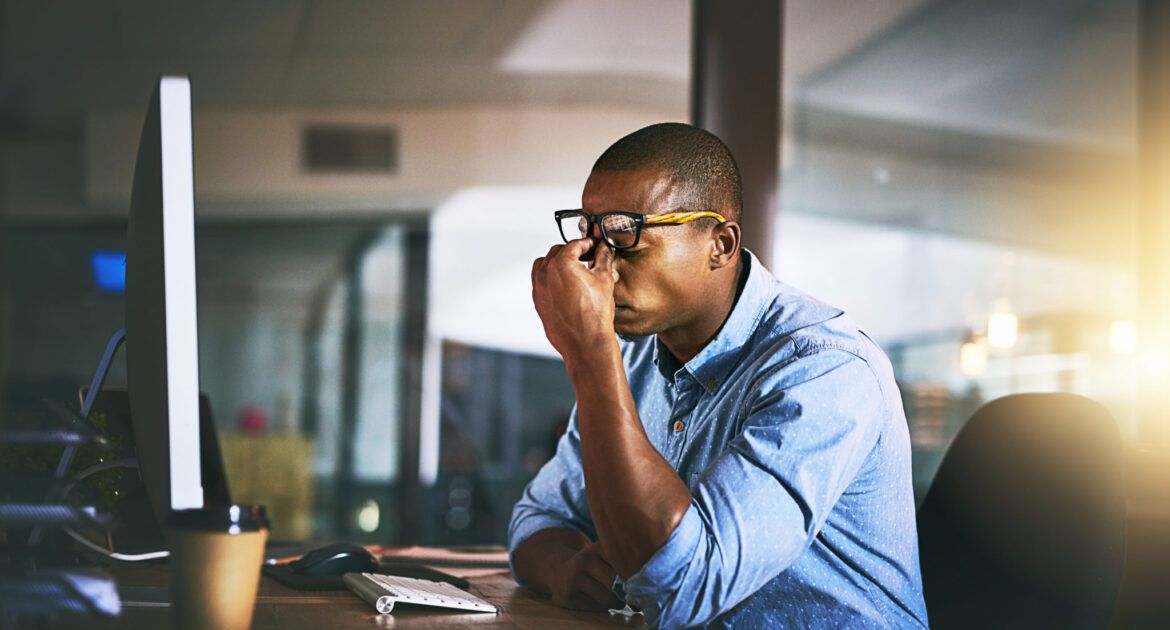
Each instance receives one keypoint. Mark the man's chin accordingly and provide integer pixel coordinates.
(627, 324)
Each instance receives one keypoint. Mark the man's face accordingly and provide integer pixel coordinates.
(664, 278)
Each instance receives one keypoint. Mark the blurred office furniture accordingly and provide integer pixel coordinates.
(1024, 525)
(500, 413)
(274, 470)
(1143, 601)
(35, 599)
(38, 578)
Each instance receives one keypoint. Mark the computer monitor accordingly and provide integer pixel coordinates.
(162, 346)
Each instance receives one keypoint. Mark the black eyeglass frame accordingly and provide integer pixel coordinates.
(673, 218)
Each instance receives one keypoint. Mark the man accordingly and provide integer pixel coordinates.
(742, 459)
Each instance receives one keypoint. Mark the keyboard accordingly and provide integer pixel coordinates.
(384, 591)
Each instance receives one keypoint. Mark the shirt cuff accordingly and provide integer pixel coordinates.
(663, 573)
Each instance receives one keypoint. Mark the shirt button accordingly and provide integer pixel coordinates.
(679, 426)
(711, 384)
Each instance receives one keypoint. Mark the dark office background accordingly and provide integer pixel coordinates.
(957, 174)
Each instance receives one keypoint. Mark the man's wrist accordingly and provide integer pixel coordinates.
(591, 337)
(591, 355)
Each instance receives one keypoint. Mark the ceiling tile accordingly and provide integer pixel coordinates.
(218, 28)
(361, 80)
(407, 28)
(35, 30)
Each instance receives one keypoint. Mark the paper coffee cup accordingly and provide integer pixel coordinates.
(216, 555)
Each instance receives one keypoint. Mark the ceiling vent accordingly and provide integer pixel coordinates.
(350, 149)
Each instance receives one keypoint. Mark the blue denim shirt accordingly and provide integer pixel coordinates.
(789, 430)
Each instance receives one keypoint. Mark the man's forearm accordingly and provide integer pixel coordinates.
(635, 497)
(545, 552)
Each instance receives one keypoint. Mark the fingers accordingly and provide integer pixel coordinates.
(603, 262)
(594, 562)
(590, 584)
(596, 594)
(575, 249)
(603, 595)
(600, 572)
(543, 261)
(583, 592)
(604, 579)
(539, 264)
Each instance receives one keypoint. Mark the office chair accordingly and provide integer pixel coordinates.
(1024, 524)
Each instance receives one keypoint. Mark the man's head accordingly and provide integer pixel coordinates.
(701, 168)
(679, 278)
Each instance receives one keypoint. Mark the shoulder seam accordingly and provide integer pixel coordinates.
(816, 346)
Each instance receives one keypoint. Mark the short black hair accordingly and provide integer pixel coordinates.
(700, 166)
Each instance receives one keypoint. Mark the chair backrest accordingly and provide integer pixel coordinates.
(1024, 524)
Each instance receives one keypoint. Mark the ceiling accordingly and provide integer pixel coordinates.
(992, 67)
(975, 85)
(1008, 121)
(1049, 71)
(59, 58)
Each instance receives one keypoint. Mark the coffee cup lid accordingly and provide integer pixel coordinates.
(232, 519)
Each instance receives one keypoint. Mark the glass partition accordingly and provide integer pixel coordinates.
(960, 178)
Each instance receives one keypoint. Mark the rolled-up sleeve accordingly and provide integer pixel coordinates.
(761, 503)
(556, 496)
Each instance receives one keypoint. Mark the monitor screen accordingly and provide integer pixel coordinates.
(109, 270)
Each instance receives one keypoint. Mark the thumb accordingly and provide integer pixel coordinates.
(603, 261)
(577, 248)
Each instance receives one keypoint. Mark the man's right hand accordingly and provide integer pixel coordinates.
(569, 568)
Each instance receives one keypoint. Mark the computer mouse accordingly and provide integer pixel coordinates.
(335, 559)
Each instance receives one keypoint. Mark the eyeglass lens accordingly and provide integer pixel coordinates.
(619, 231)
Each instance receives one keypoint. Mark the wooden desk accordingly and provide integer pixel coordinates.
(278, 606)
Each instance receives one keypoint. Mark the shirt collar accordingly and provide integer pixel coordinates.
(716, 358)
(761, 290)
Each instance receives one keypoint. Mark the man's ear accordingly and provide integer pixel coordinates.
(725, 241)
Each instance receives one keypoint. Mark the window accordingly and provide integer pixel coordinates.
(959, 177)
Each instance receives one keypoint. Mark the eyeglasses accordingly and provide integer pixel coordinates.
(621, 230)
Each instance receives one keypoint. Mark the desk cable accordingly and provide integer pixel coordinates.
(113, 555)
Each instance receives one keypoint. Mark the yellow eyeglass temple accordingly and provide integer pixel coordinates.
(678, 218)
